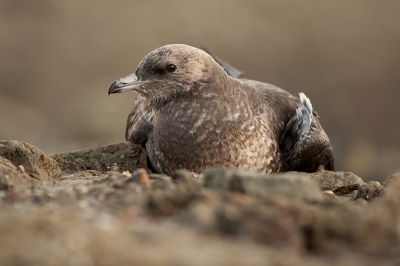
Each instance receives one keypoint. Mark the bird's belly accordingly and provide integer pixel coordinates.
(245, 150)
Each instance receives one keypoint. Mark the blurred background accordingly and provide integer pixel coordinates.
(58, 59)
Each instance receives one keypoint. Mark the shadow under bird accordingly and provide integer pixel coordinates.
(195, 111)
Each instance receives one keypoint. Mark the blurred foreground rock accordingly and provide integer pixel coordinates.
(98, 214)
(292, 184)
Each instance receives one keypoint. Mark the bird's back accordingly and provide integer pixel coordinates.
(273, 103)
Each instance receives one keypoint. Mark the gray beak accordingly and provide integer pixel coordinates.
(127, 83)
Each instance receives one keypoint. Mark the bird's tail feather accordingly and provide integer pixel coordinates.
(298, 125)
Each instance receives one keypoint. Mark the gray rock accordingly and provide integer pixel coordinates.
(218, 179)
(34, 161)
(341, 183)
(292, 184)
(115, 157)
(369, 190)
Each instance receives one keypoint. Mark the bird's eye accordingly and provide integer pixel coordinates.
(171, 68)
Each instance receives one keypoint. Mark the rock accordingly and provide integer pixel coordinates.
(352, 195)
(218, 179)
(390, 178)
(161, 182)
(114, 179)
(171, 194)
(341, 183)
(102, 215)
(168, 201)
(34, 161)
(292, 185)
(10, 177)
(267, 222)
(103, 239)
(391, 191)
(369, 190)
(329, 196)
(141, 176)
(367, 228)
(184, 176)
(186, 179)
(115, 157)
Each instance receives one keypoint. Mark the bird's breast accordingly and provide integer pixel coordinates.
(196, 136)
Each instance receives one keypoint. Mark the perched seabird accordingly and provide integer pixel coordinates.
(195, 111)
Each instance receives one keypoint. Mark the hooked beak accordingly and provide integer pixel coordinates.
(127, 83)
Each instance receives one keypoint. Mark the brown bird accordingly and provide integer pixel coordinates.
(194, 111)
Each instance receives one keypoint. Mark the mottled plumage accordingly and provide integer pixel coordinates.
(192, 113)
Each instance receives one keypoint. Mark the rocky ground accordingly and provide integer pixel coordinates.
(101, 206)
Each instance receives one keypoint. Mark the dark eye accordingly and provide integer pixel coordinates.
(171, 68)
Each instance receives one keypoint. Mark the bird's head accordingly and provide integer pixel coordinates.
(171, 71)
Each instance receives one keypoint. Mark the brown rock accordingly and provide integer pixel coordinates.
(141, 176)
(115, 157)
(169, 201)
(33, 160)
(372, 228)
(10, 177)
(184, 178)
(162, 182)
(341, 183)
(390, 178)
(391, 192)
(172, 194)
(144, 180)
(268, 223)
